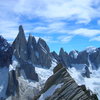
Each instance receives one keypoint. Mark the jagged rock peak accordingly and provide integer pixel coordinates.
(42, 43)
(20, 44)
(4, 45)
(21, 29)
(21, 34)
(61, 51)
(31, 39)
(63, 57)
(5, 52)
(74, 54)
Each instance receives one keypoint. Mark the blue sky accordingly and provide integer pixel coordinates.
(71, 24)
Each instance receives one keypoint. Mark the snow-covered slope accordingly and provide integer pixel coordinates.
(61, 86)
(44, 73)
(92, 83)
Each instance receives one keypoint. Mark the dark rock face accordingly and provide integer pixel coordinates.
(44, 53)
(31, 49)
(87, 72)
(63, 57)
(69, 90)
(95, 58)
(55, 56)
(13, 87)
(76, 57)
(5, 52)
(29, 70)
(20, 45)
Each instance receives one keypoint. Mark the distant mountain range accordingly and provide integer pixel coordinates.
(29, 71)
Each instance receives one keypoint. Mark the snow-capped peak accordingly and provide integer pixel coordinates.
(91, 49)
(36, 38)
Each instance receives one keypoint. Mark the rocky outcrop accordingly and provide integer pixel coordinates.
(5, 53)
(29, 70)
(61, 86)
(32, 54)
(13, 86)
(44, 53)
(86, 72)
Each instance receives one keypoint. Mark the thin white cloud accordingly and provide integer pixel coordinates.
(97, 38)
(54, 27)
(57, 39)
(64, 9)
(60, 28)
(86, 32)
(81, 10)
(50, 39)
(65, 39)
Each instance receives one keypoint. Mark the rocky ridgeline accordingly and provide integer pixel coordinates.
(87, 57)
(61, 86)
(84, 60)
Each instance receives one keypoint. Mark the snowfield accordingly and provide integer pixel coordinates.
(92, 83)
(45, 73)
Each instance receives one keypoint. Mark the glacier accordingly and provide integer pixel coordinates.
(92, 83)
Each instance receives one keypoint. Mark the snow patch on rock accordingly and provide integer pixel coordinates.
(36, 38)
(14, 64)
(50, 91)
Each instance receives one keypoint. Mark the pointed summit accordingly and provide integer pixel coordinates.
(21, 29)
(20, 44)
(21, 33)
(61, 51)
(63, 57)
